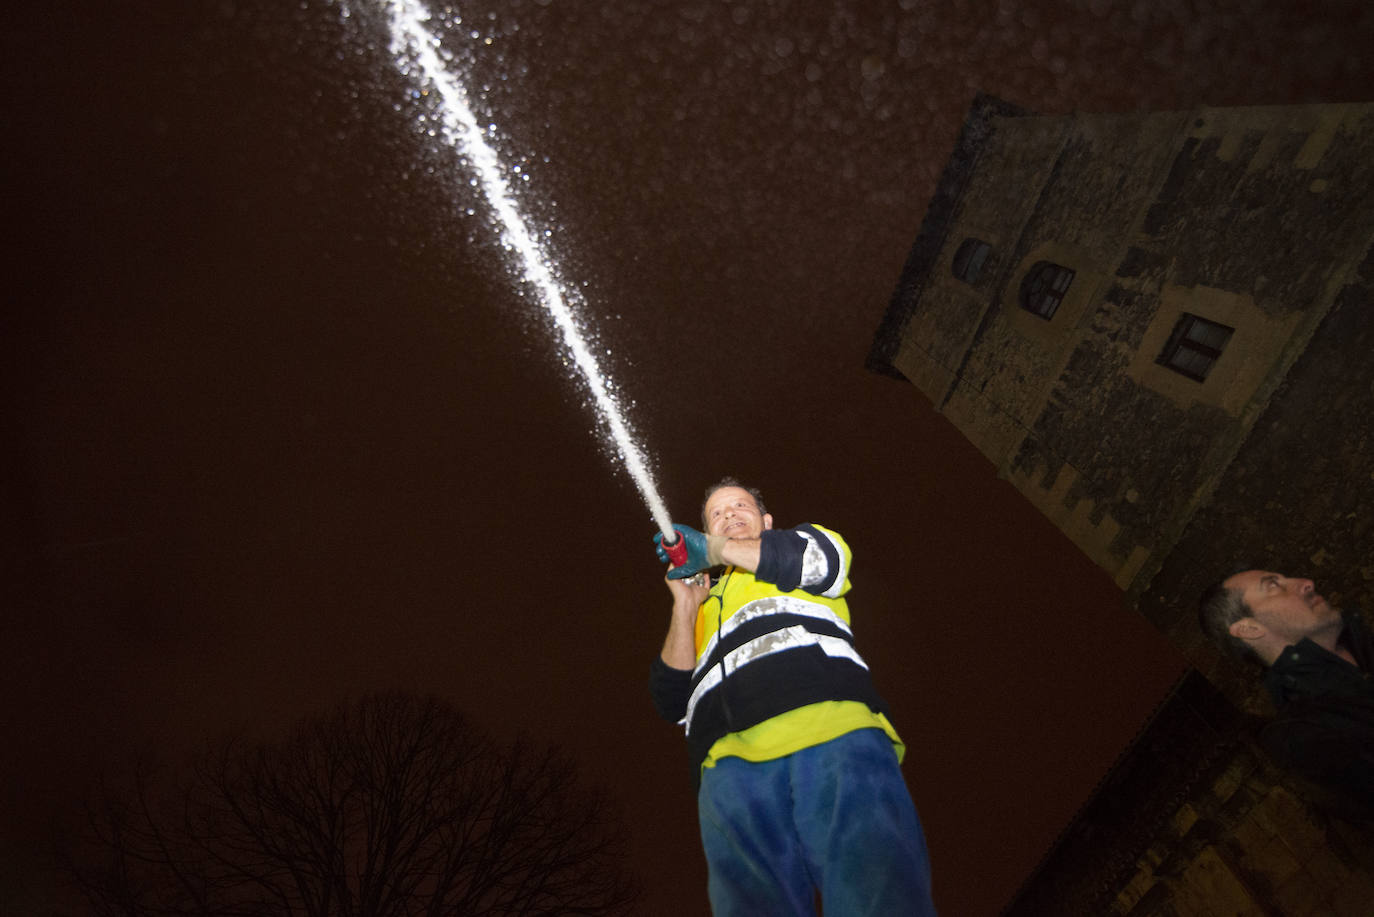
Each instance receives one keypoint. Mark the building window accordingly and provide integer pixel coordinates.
(1044, 287)
(970, 258)
(1194, 346)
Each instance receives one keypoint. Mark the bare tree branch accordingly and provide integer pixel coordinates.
(392, 806)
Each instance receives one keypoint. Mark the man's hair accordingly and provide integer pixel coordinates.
(1218, 609)
(731, 482)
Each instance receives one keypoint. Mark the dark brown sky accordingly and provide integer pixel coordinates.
(283, 429)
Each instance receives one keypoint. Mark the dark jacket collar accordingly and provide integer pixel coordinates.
(1306, 670)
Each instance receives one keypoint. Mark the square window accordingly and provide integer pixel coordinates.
(1194, 346)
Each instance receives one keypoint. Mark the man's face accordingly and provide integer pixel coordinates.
(1287, 607)
(732, 512)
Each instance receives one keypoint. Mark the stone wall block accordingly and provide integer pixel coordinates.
(1154, 903)
(1265, 867)
(1237, 770)
(1141, 882)
(1283, 815)
(1210, 888)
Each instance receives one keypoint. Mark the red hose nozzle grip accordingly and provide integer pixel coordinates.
(677, 549)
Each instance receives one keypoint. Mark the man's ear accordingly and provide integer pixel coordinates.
(1247, 629)
(767, 521)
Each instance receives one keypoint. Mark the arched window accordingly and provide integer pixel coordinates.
(1043, 288)
(1194, 346)
(969, 259)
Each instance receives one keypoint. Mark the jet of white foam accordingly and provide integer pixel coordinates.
(416, 50)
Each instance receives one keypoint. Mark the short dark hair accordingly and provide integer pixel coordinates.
(1218, 609)
(728, 481)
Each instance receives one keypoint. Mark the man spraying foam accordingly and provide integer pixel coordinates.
(799, 790)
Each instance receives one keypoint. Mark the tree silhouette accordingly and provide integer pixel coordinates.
(392, 805)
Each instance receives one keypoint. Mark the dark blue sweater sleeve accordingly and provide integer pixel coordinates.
(780, 558)
(782, 555)
(669, 688)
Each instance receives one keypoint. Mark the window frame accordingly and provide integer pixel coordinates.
(1182, 348)
(1041, 297)
(970, 259)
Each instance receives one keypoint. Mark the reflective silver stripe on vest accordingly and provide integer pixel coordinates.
(773, 604)
(815, 568)
(787, 638)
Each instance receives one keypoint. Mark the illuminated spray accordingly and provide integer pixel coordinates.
(417, 53)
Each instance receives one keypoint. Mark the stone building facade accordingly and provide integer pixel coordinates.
(1064, 305)
(1158, 327)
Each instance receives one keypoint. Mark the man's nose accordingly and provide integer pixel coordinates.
(1306, 585)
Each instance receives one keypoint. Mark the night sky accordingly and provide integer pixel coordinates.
(284, 429)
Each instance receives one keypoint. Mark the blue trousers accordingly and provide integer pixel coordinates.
(835, 818)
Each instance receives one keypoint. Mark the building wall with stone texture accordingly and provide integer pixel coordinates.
(1246, 845)
(1254, 218)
